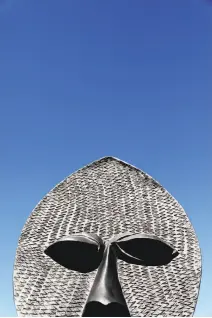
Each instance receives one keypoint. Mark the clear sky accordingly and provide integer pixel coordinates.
(83, 79)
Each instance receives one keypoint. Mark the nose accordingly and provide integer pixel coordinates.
(106, 298)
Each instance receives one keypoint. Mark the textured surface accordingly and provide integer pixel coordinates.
(107, 197)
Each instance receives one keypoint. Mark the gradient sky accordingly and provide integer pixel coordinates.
(84, 79)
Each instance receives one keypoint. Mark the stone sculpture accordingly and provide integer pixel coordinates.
(107, 241)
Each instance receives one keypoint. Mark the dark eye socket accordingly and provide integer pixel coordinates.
(79, 252)
(144, 249)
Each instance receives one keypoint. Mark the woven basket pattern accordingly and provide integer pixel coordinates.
(107, 197)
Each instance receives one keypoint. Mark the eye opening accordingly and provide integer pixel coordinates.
(79, 252)
(144, 249)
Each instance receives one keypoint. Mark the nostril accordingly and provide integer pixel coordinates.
(97, 309)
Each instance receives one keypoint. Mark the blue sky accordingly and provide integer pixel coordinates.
(80, 80)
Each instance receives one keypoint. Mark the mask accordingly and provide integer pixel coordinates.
(107, 241)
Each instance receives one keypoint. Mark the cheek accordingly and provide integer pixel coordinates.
(48, 289)
(78, 288)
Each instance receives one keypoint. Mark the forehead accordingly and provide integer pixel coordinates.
(108, 197)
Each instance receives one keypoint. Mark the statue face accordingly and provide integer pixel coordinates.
(87, 252)
(107, 241)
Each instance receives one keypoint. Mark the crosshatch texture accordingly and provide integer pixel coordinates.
(107, 197)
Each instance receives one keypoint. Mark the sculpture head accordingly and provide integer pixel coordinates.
(107, 241)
